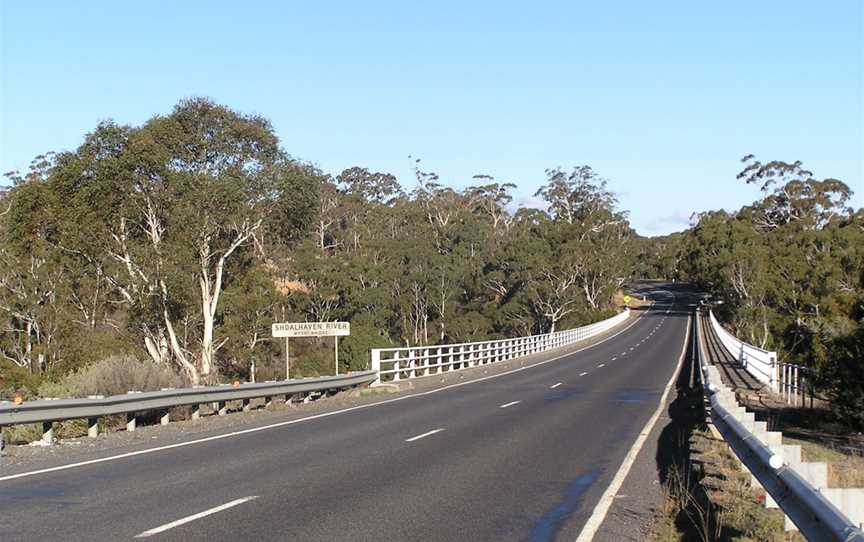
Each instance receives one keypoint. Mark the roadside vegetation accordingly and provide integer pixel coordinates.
(170, 248)
(710, 498)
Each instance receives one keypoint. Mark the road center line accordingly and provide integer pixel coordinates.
(601, 365)
(553, 386)
(424, 435)
(602, 508)
(511, 403)
(582, 374)
(193, 517)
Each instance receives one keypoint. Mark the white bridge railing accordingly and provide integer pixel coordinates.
(799, 487)
(762, 364)
(394, 364)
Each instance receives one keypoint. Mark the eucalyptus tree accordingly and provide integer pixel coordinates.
(32, 277)
(170, 208)
(591, 231)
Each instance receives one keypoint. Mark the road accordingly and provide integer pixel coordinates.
(524, 455)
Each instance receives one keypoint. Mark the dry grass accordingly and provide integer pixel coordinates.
(711, 499)
(844, 469)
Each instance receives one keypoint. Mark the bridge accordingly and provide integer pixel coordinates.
(557, 437)
(525, 448)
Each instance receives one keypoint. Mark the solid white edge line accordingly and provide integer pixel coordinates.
(193, 517)
(511, 403)
(307, 418)
(553, 386)
(599, 514)
(424, 435)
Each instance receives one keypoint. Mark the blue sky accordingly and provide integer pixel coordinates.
(662, 98)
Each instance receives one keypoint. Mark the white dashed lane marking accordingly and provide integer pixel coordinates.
(193, 517)
(424, 435)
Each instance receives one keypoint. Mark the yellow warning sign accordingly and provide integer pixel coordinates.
(627, 299)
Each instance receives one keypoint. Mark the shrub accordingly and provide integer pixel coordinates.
(63, 389)
(116, 375)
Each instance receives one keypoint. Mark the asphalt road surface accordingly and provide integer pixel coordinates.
(519, 456)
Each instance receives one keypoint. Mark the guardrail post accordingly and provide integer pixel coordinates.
(268, 400)
(165, 419)
(92, 427)
(196, 412)
(223, 408)
(47, 432)
(131, 422)
(247, 405)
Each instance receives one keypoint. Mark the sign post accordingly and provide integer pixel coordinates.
(311, 329)
(287, 361)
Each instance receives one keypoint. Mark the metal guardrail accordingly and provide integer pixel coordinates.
(814, 515)
(396, 364)
(762, 364)
(47, 411)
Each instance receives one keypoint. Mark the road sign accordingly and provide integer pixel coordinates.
(627, 299)
(311, 329)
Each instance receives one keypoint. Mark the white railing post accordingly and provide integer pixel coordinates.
(396, 375)
(796, 386)
(412, 363)
(375, 365)
(773, 370)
